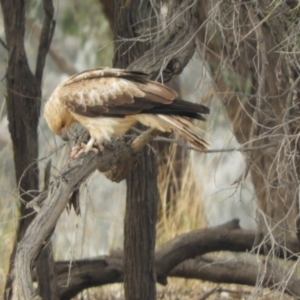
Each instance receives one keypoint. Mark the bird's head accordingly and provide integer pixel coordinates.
(58, 117)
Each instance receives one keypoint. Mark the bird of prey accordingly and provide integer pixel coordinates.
(108, 101)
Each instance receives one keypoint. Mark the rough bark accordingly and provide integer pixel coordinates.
(23, 96)
(142, 192)
(140, 229)
(140, 46)
(118, 156)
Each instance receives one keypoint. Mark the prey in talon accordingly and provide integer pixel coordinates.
(108, 102)
(78, 149)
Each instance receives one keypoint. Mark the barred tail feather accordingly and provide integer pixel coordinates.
(186, 130)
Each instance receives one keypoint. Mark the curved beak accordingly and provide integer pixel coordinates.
(64, 134)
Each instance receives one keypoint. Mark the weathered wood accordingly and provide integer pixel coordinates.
(41, 228)
(162, 50)
(176, 258)
(140, 229)
(23, 99)
(237, 271)
(132, 20)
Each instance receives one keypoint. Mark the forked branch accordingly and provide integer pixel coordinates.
(180, 257)
(117, 159)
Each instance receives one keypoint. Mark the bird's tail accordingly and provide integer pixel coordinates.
(186, 130)
(182, 126)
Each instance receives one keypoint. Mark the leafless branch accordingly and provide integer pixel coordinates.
(117, 159)
(180, 257)
(238, 149)
(209, 293)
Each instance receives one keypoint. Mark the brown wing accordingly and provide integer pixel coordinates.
(113, 92)
(117, 93)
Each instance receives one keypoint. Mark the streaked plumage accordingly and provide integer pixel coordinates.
(107, 102)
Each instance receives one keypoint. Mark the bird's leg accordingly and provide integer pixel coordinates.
(89, 146)
(84, 148)
(100, 146)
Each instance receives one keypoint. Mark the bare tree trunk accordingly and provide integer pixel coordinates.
(180, 257)
(162, 53)
(46, 273)
(140, 233)
(131, 19)
(23, 109)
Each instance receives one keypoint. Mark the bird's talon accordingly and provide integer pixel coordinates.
(100, 148)
(93, 150)
(77, 150)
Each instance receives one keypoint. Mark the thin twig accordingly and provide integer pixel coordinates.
(209, 293)
(238, 149)
(180, 143)
(262, 57)
(222, 290)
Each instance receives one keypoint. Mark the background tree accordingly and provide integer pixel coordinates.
(256, 49)
(23, 99)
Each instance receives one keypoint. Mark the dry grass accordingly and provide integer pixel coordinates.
(182, 289)
(184, 212)
(8, 212)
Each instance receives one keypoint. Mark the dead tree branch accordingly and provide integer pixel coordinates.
(180, 258)
(237, 272)
(118, 159)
